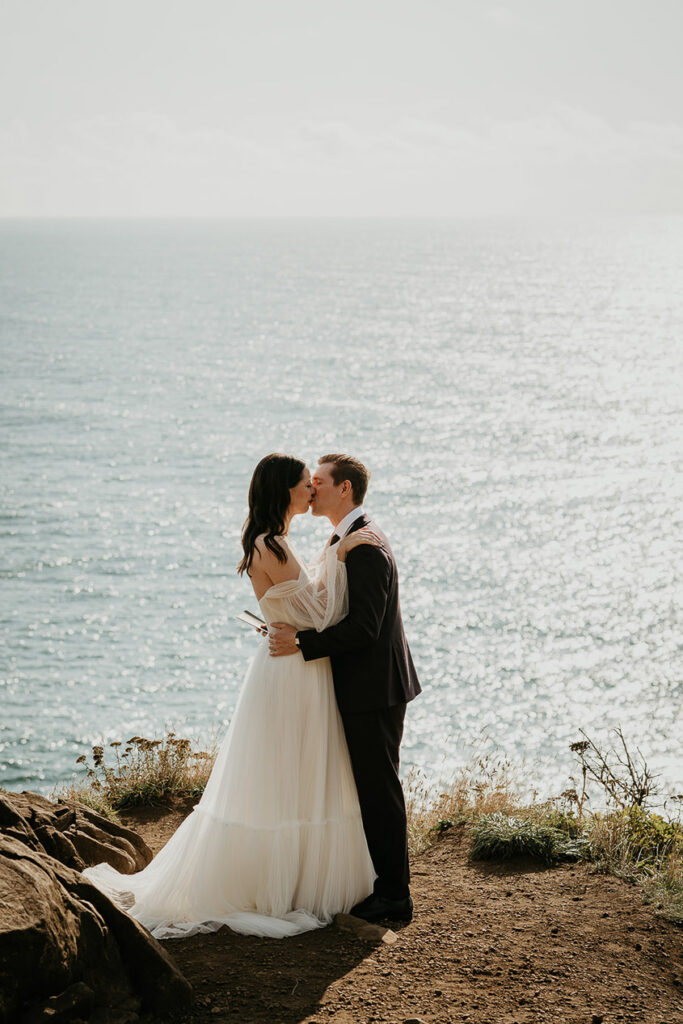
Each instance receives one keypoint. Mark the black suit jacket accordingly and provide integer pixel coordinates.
(371, 662)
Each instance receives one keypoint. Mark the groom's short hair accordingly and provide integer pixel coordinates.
(345, 467)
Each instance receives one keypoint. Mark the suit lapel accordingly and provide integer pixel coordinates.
(358, 524)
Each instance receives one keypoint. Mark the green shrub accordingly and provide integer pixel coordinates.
(652, 836)
(442, 826)
(564, 821)
(634, 841)
(502, 837)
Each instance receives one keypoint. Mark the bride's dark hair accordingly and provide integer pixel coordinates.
(268, 503)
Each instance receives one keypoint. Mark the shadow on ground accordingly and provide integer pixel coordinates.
(238, 977)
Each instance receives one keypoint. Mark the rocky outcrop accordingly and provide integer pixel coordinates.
(71, 832)
(66, 951)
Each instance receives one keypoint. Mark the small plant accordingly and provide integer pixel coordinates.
(83, 793)
(633, 843)
(502, 837)
(549, 814)
(625, 777)
(652, 836)
(664, 889)
(145, 772)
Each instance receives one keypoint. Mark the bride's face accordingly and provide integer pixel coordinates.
(300, 496)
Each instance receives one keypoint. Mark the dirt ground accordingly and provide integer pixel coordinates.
(488, 945)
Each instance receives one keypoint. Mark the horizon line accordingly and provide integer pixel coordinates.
(539, 215)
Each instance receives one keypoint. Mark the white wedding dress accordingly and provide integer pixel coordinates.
(275, 845)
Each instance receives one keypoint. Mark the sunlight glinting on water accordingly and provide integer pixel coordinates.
(514, 388)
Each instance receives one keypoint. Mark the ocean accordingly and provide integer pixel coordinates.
(516, 389)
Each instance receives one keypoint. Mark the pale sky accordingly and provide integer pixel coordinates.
(340, 107)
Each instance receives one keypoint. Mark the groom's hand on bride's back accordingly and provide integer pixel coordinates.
(363, 537)
(281, 639)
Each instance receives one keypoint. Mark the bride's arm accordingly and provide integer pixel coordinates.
(325, 562)
(324, 599)
(369, 586)
(368, 589)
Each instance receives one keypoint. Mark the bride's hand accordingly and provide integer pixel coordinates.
(353, 540)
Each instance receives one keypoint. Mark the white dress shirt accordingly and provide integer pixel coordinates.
(342, 528)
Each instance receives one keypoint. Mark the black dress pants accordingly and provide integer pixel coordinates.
(374, 738)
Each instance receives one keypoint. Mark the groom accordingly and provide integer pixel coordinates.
(374, 678)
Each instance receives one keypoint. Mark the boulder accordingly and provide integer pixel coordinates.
(71, 832)
(48, 937)
(77, 1001)
(66, 951)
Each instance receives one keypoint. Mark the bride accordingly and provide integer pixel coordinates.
(275, 845)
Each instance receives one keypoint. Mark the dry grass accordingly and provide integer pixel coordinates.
(491, 798)
(84, 793)
(663, 889)
(488, 795)
(484, 785)
(646, 849)
(144, 772)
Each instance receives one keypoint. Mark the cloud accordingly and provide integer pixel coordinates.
(331, 138)
(504, 18)
(147, 163)
(147, 136)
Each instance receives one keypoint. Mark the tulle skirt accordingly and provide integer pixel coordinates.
(276, 845)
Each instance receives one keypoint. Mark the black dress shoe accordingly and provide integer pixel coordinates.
(378, 908)
(360, 907)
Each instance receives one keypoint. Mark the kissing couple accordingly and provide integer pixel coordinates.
(303, 816)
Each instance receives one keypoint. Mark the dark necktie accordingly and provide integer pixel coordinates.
(334, 539)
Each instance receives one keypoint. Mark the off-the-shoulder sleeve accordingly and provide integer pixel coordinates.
(319, 596)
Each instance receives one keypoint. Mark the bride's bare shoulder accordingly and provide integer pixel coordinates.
(265, 553)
